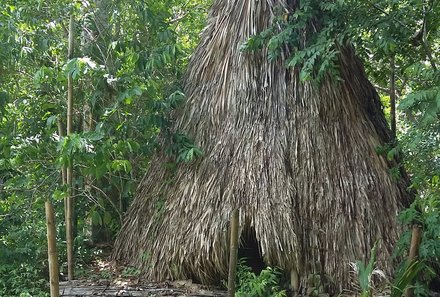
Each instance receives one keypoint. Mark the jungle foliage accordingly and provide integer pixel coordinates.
(127, 65)
(129, 59)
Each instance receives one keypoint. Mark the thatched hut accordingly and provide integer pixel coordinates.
(299, 160)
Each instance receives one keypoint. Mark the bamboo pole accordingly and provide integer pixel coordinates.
(233, 252)
(416, 239)
(52, 251)
(69, 172)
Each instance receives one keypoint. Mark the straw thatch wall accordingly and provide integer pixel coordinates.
(300, 161)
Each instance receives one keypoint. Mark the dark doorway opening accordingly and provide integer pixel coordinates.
(249, 251)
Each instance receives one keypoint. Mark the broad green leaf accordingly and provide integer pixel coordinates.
(107, 218)
(96, 218)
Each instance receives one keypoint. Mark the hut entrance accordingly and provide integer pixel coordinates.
(249, 250)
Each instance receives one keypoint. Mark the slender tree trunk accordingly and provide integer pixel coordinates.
(69, 171)
(96, 37)
(416, 239)
(393, 96)
(52, 251)
(61, 133)
(87, 123)
(233, 252)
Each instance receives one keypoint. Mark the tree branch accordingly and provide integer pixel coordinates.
(387, 91)
(377, 7)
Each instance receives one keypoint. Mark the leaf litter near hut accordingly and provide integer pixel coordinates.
(103, 278)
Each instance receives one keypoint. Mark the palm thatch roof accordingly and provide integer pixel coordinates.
(299, 160)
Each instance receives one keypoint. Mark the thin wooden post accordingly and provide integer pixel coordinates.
(52, 251)
(416, 239)
(233, 252)
(69, 173)
(294, 282)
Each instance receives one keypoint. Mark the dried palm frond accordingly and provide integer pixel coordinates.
(299, 160)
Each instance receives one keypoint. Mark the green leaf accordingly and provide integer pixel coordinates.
(407, 278)
(72, 68)
(437, 99)
(51, 120)
(189, 155)
(393, 153)
(107, 218)
(59, 195)
(101, 170)
(4, 99)
(93, 136)
(118, 165)
(96, 218)
(430, 115)
(136, 91)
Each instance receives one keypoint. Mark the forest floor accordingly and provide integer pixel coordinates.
(102, 278)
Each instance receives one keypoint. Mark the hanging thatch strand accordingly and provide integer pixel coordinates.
(300, 162)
